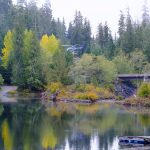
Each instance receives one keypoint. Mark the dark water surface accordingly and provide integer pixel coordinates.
(30, 125)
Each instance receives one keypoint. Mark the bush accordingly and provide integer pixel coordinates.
(84, 87)
(87, 95)
(54, 86)
(119, 97)
(80, 87)
(144, 90)
(91, 96)
(89, 87)
(104, 93)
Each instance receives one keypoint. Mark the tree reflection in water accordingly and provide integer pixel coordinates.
(30, 126)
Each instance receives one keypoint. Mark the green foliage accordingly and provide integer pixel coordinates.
(87, 96)
(146, 41)
(138, 60)
(93, 67)
(1, 109)
(144, 90)
(26, 60)
(1, 80)
(17, 56)
(31, 60)
(79, 32)
(123, 64)
(105, 41)
(32, 63)
(146, 68)
(96, 49)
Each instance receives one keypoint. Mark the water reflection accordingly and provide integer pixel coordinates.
(32, 126)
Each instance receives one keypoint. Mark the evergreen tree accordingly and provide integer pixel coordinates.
(17, 57)
(145, 15)
(105, 40)
(31, 61)
(79, 32)
(61, 31)
(45, 18)
(87, 35)
(32, 16)
(100, 36)
(146, 42)
(121, 29)
(128, 45)
(5, 18)
(138, 37)
(70, 32)
(54, 29)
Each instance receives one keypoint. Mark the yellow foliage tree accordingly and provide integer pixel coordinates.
(49, 44)
(8, 47)
(44, 42)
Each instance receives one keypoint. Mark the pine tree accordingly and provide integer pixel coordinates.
(105, 40)
(61, 31)
(17, 57)
(87, 35)
(100, 36)
(5, 18)
(32, 16)
(31, 61)
(145, 15)
(128, 45)
(121, 30)
(45, 18)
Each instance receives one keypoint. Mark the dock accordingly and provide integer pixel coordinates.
(134, 140)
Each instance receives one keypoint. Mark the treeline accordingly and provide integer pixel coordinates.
(32, 52)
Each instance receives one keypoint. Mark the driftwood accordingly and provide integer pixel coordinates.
(54, 96)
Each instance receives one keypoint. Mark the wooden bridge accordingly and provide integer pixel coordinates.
(125, 77)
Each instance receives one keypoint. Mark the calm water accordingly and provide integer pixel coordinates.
(33, 126)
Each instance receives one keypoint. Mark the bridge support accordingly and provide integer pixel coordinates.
(125, 89)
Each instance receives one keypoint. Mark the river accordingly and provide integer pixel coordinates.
(32, 125)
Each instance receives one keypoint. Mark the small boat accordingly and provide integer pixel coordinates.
(134, 140)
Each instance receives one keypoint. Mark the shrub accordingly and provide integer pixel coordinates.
(91, 96)
(144, 90)
(89, 87)
(80, 87)
(80, 96)
(104, 93)
(84, 87)
(87, 95)
(54, 86)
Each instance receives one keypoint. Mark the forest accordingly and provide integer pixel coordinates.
(33, 52)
